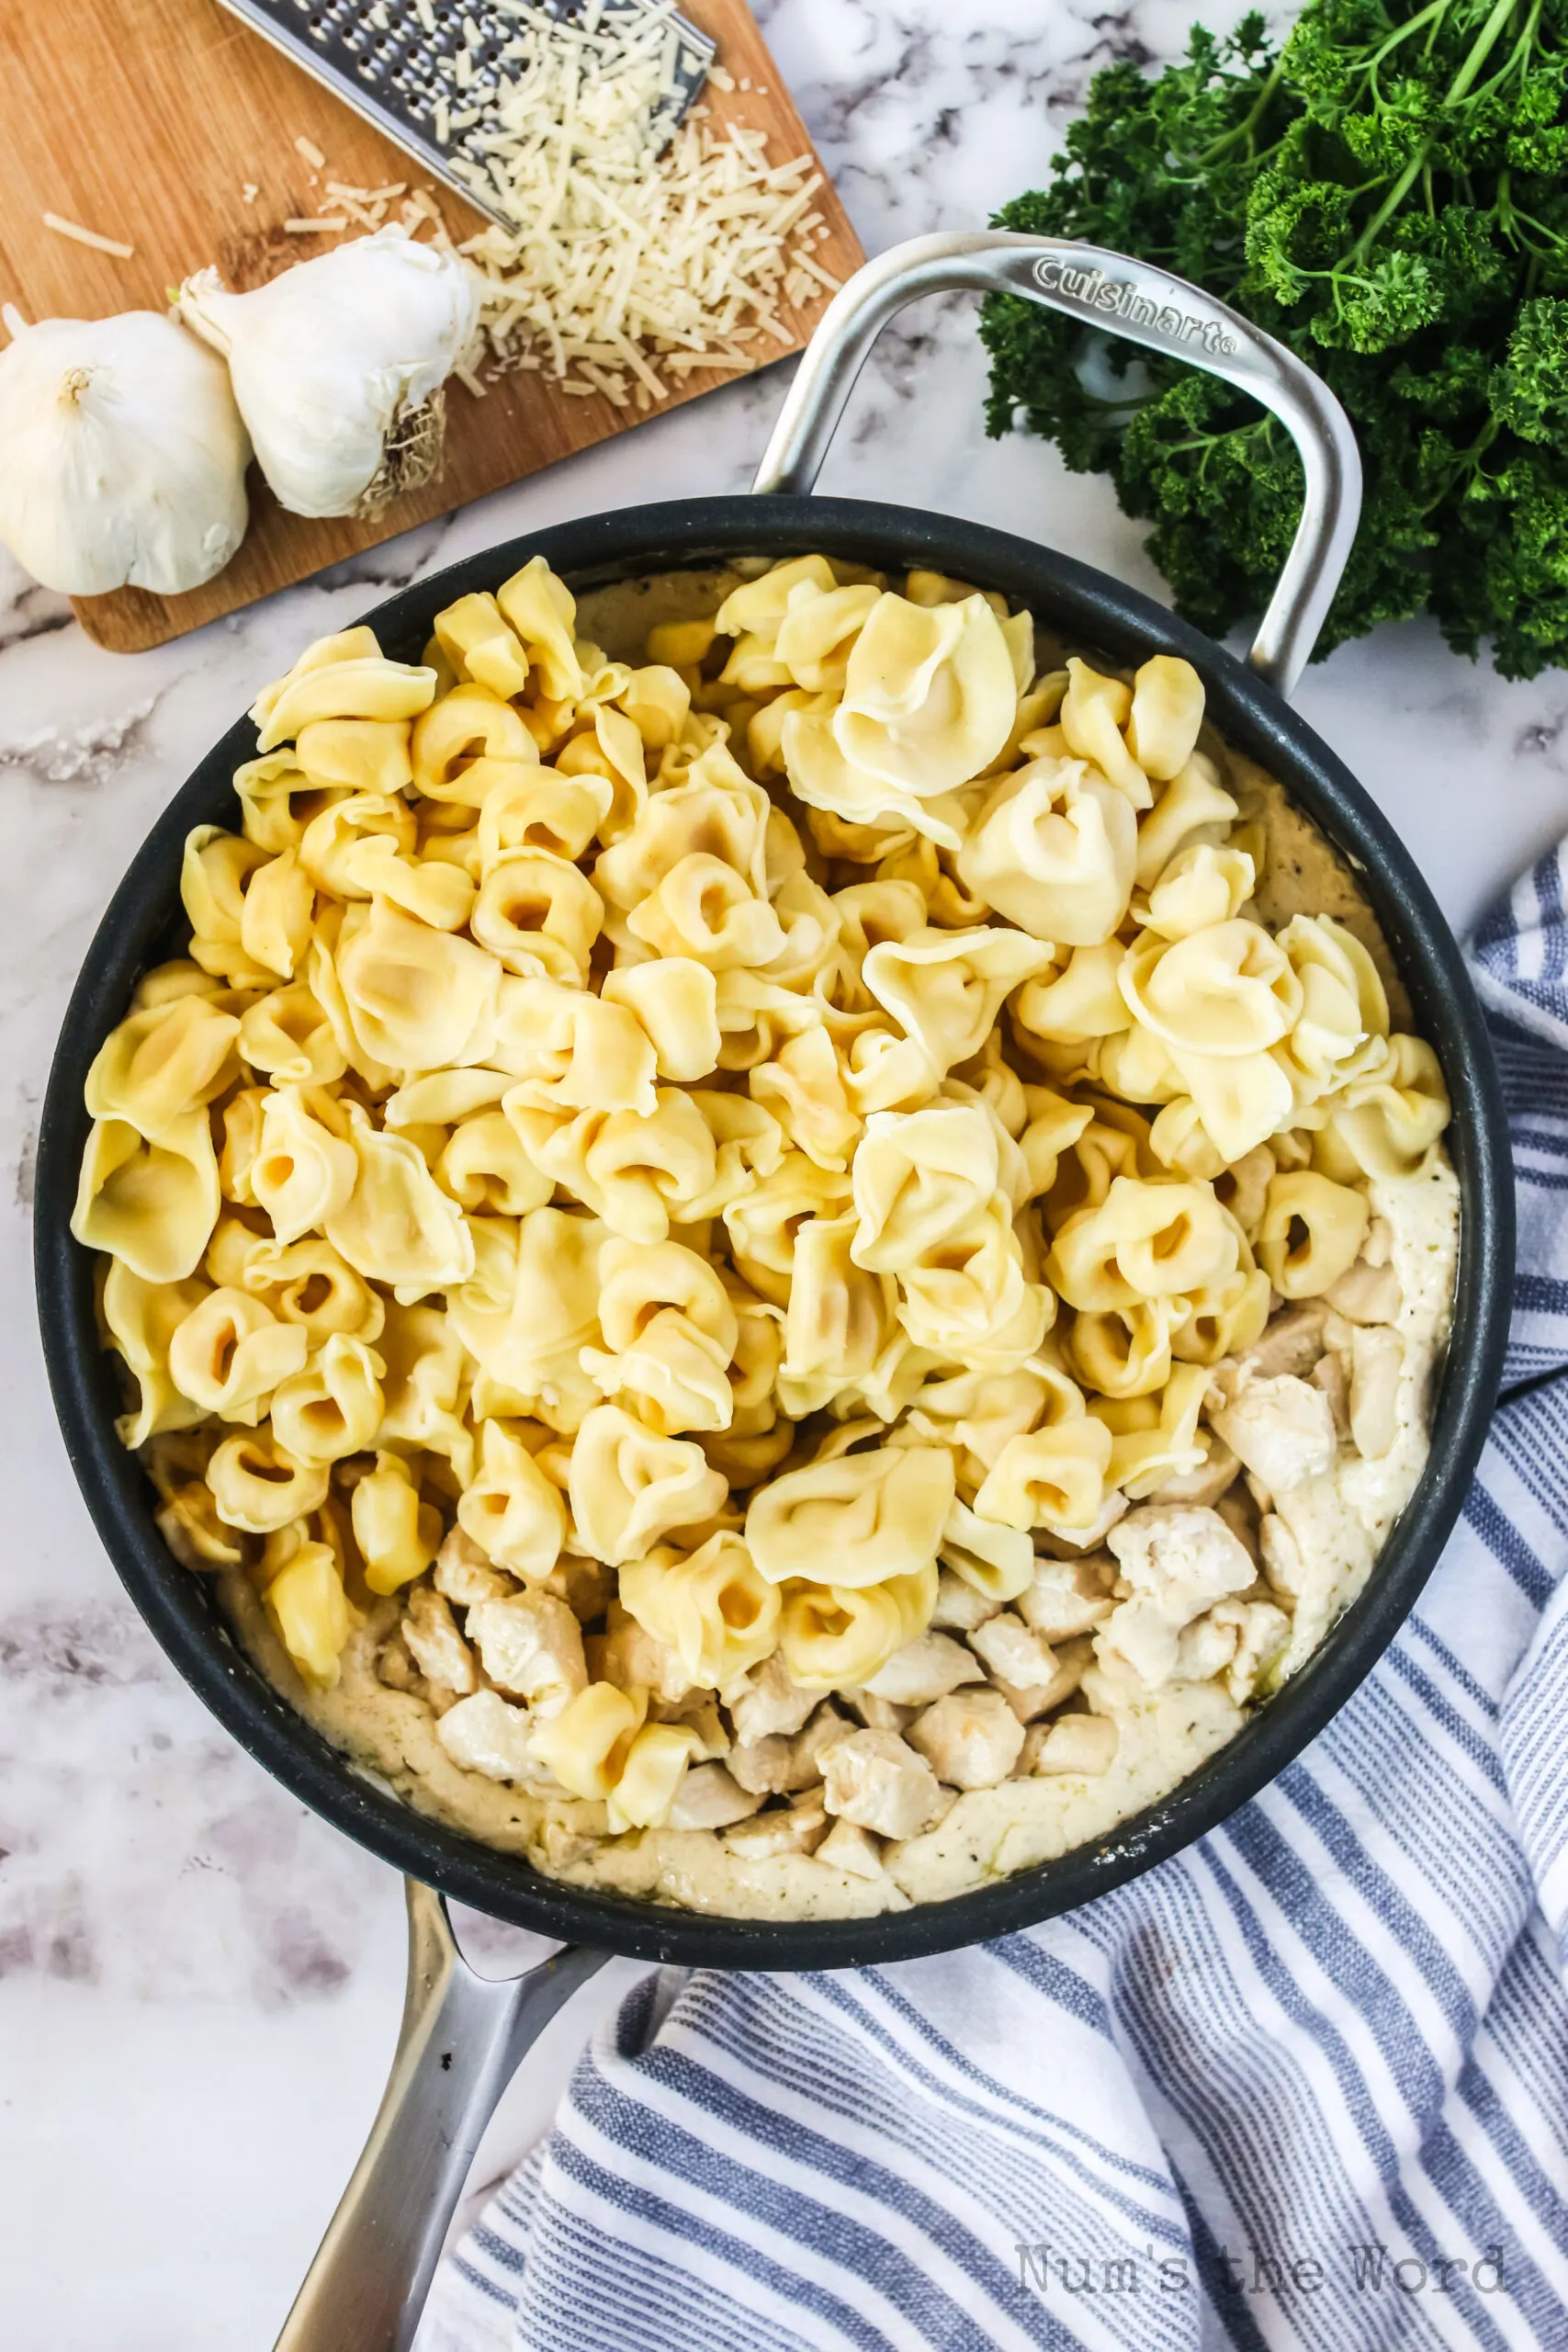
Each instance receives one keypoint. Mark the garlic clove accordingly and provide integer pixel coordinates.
(337, 365)
(125, 455)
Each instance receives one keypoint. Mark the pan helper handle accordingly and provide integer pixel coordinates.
(462, 2037)
(1138, 304)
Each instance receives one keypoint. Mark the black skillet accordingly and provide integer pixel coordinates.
(462, 2035)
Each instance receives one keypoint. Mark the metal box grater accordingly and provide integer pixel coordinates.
(382, 58)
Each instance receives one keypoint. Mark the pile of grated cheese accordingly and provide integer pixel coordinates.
(628, 262)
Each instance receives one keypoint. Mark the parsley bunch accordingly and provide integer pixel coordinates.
(1388, 195)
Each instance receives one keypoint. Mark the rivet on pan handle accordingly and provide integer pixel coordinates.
(462, 2037)
(1138, 304)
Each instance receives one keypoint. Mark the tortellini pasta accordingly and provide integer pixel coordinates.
(1053, 848)
(713, 1608)
(929, 694)
(944, 988)
(721, 1145)
(511, 1510)
(1143, 1241)
(830, 1635)
(919, 1176)
(1053, 1476)
(629, 1488)
(670, 1332)
(871, 1515)
(151, 1203)
(1311, 1232)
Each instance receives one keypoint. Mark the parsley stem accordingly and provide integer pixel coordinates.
(1487, 39)
(1244, 129)
(1428, 14)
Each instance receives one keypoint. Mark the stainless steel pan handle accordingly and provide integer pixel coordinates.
(1140, 304)
(462, 2037)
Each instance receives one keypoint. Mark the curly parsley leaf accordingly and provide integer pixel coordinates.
(1387, 192)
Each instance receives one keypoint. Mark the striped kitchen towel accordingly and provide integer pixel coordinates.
(1304, 2085)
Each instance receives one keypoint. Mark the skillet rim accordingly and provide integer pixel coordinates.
(1084, 605)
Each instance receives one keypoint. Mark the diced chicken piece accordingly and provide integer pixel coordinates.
(971, 1739)
(1378, 1246)
(1068, 1597)
(564, 1844)
(1244, 1187)
(788, 1829)
(1339, 1334)
(1013, 1653)
(876, 1780)
(1214, 1476)
(775, 1766)
(697, 1712)
(587, 1587)
(1085, 1744)
(486, 1733)
(532, 1644)
(464, 1573)
(827, 1726)
(1033, 1741)
(768, 1701)
(1290, 1343)
(1378, 1357)
(1282, 1561)
(761, 1766)
(876, 1714)
(1328, 1374)
(1073, 1661)
(1205, 1648)
(1182, 1553)
(710, 1797)
(1029, 1706)
(1282, 1430)
(634, 1660)
(1261, 1632)
(1367, 1294)
(924, 1669)
(1176, 1560)
(437, 1647)
(849, 1848)
(1087, 1539)
(396, 1670)
(960, 1606)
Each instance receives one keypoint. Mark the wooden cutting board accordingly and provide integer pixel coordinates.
(143, 119)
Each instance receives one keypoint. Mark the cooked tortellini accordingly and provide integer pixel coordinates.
(684, 1188)
(873, 1515)
(1053, 848)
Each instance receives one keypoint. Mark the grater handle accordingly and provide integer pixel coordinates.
(1139, 304)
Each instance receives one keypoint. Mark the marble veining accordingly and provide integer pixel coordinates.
(200, 1982)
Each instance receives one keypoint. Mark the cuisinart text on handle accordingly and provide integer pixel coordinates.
(1117, 298)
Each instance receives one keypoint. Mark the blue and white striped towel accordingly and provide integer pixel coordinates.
(1305, 2084)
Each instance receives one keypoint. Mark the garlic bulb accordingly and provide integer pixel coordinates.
(337, 367)
(125, 456)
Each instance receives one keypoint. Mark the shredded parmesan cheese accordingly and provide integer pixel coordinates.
(322, 224)
(631, 255)
(74, 230)
(311, 153)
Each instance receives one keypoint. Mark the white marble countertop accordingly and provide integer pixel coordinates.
(200, 1982)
